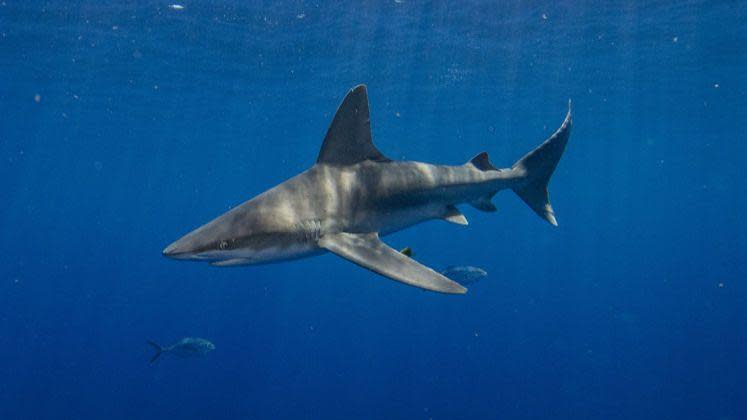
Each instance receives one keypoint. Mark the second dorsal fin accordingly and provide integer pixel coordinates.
(482, 162)
(348, 140)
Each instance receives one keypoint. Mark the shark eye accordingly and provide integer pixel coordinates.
(223, 245)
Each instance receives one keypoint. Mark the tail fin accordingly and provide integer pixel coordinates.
(537, 167)
(159, 351)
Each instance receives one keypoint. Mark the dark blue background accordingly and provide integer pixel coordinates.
(151, 121)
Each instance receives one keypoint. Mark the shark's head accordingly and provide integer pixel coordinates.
(225, 238)
(251, 233)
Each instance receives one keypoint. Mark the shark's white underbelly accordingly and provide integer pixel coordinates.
(292, 251)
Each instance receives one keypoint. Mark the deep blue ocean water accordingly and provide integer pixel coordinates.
(124, 125)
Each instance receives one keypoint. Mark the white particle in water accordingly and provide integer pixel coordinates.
(675, 39)
(176, 7)
(544, 16)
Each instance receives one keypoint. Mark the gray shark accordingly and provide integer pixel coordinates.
(354, 194)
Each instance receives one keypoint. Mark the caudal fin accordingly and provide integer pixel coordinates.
(159, 351)
(536, 168)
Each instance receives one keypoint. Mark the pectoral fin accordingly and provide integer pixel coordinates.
(369, 252)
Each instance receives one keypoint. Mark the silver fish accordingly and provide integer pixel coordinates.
(464, 274)
(184, 348)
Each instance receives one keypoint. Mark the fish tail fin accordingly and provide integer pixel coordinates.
(535, 169)
(159, 351)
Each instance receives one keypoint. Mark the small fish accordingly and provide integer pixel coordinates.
(184, 348)
(464, 274)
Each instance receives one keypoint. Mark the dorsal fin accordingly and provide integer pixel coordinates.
(348, 140)
(482, 162)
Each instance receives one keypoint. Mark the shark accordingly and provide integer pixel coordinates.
(354, 195)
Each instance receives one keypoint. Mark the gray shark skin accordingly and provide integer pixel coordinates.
(353, 194)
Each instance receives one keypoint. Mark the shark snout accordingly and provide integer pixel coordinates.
(173, 251)
(200, 244)
(181, 249)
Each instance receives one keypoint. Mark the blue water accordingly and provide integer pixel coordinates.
(123, 125)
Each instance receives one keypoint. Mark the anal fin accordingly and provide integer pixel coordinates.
(484, 204)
